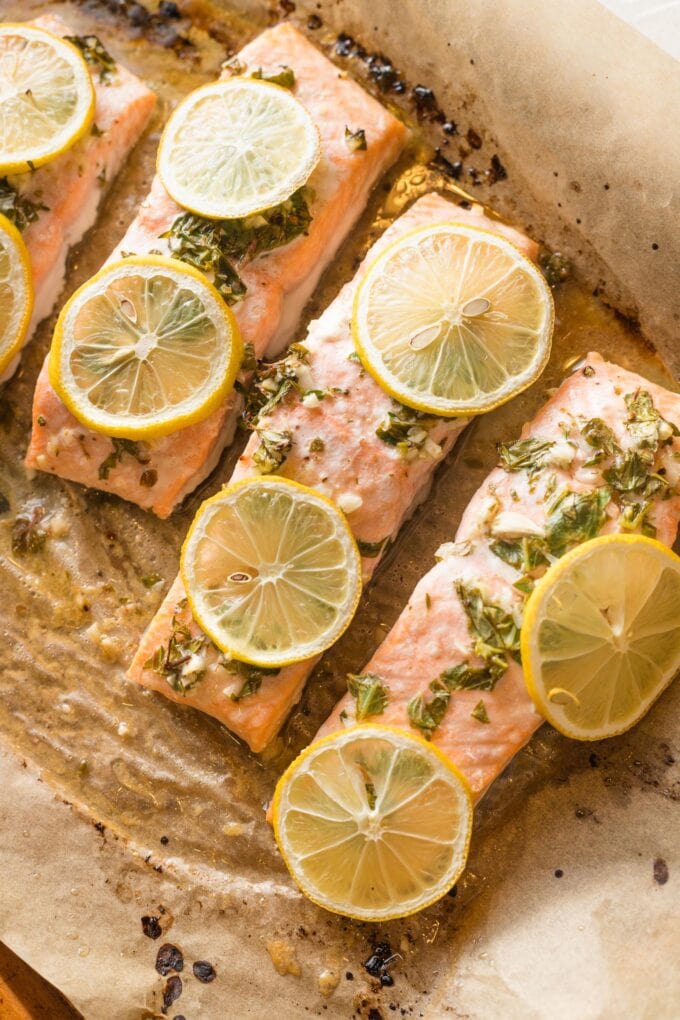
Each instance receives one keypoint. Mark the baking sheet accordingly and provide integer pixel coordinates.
(515, 940)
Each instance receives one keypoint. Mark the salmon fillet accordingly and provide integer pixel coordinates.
(432, 633)
(279, 282)
(71, 186)
(354, 468)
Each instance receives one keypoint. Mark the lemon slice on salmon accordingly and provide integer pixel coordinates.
(601, 635)
(147, 346)
(16, 292)
(453, 320)
(237, 147)
(373, 823)
(47, 98)
(271, 571)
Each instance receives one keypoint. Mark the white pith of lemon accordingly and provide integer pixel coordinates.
(236, 148)
(271, 571)
(601, 635)
(453, 320)
(47, 98)
(373, 822)
(16, 292)
(145, 347)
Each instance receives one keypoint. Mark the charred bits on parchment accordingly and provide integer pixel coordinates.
(204, 971)
(151, 926)
(160, 27)
(379, 962)
(171, 992)
(169, 958)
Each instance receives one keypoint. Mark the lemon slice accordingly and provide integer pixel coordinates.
(373, 823)
(237, 147)
(453, 320)
(47, 97)
(271, 570)
(16, 292)
(147, 346)
(601, 635)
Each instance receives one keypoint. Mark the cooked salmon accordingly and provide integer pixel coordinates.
(66, 192)
(279, 282)
(432, 634)
(336, 450)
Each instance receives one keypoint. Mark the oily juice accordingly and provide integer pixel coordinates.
(74, 609)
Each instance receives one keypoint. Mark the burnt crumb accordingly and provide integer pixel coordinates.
(157, 27)
(593, 759)
(204, 971)
(344, 45)
(314, 22)
(450, 127)
(453, 892)
(151, 927)
(164, 840)
(497, 171)
(424, 99)
(473, 174)
(148, 478)
(169, 958)
(474, 140)
(558, 873)
(445, 166)
(349, 975)
(4, 503)
(287, 6)
(374, 1014)
(465, 204)
(583, 812)
(382, 71)
(180, 1016)
(100, 827)
(379, 962)
(655, 246)
(168, 9)
(660, 871)
(171, 992)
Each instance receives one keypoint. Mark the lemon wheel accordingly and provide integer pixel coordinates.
(271, 571)
(453, 320)
(373, 823)
(601, 635)
(237, 147)
(147, 346)
(47, 98)
(16, 292)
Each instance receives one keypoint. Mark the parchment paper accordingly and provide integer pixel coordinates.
(167, 817)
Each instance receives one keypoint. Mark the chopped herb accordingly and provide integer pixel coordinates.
(371, 549)
(212, 245)
(252, 676)
(602, 439)
(406, 429)
(138, 450)
(19, 210)
(285, 77)
(370, 692)
(272, 384)
(525, 454)
(28, 536)
(370, 795)
(480, 713)
(645, 423)
(149, 580)
(556, 267)
(249, 360)
(42, 421)
(4, 503)
(525, 554)
(495, 631)
(575, 518)
(426, 715)
(170, 661)
(96, 131)
(355, 140)
(234, 66)
(317, 445)
(96, 55)
(428, 601)
(273, 449)
(148, 478)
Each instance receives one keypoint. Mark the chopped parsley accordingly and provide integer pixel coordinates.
(370, 692)
(133, 448)
(272, 384)
(285, 77)
(28, 534)
(252, 676)
(96, 55)
(18, 209)
(407, 430)
(480, 713)
(273, 449)
(317, 445)
(525, 454)
(170, 660)
(213, 246)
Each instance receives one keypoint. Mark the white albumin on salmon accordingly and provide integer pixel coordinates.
(372, 481)
(279, 282)
(432, 634)
(71, 186)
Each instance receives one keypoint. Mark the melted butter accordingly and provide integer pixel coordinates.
(73, 614)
